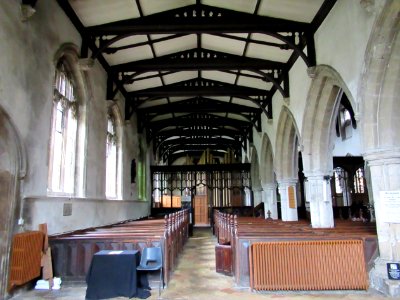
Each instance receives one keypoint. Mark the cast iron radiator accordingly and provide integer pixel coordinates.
(308, 265)
(26, 255)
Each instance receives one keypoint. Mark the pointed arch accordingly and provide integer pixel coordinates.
(286, 146)
(71, 94)
(13, 168)
(114, 152)
(255, 169)
(319, 119)
(379, 87)
(266, 160)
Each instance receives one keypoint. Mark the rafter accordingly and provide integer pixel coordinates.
(178, 143)
(200, 59)
(199, 104)
(198, 19)
(194, 154)
(203, 122)
(198, 87)
(199, 119)
(197, 148)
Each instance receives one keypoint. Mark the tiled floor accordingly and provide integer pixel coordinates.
(195, 279)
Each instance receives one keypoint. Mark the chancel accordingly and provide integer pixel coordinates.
(257, 137)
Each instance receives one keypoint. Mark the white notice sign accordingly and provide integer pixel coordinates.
(391, 206)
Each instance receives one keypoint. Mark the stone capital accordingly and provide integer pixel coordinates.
(311, 71)
(382, 157)
(269, 186)
(284, 183)
(85, 64)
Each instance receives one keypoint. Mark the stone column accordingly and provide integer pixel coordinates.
(285, 186)
(247, 197)
(319, 195)
(385, 176)
(257, 191)
(269, 199)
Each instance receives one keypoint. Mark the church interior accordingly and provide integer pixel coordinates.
(253, 143)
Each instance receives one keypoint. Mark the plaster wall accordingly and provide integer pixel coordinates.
(86, 212)
(340, 48)
(96, 135)
(26, 79)
(27, 69)
(131, 146)
(342, 39)
(348, 146)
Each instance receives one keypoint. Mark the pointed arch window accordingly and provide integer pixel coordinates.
(141, 174)
(111, 159)
(359, 181)
(64, 133)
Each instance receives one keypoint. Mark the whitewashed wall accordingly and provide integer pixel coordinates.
(26, 90)
(340, 43)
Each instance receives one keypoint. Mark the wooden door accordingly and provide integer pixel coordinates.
(201, 210)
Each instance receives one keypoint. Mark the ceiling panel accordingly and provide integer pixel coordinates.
(131, 40)
(176, 45)
(95, 12)
(219, 76)
(244, 102)
(246, 6)
(144, 84)
(181, 76)
(296, 10)
(254, 83)
(128, 55)
(268, 53)
(155, 6)
(222, 44)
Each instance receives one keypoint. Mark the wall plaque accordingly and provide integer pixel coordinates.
(292, 197)
(390, 203)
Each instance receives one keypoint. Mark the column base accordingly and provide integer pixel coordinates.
(379, 279)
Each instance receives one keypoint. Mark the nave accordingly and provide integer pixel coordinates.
(195, 278)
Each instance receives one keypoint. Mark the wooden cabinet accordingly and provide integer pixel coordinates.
(223, 259)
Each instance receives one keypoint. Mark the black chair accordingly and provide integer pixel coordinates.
(151, 260)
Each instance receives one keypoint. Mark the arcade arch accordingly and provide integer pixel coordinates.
(287, 164)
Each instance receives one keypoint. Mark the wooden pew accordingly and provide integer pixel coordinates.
(242, 232)
(73, 251)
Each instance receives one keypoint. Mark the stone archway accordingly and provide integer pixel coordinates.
(319, 120)
(12, 170)
(267, 176)
(379, 91)
(287, 164)
(318, 141)
(286, 146)
(255, 177)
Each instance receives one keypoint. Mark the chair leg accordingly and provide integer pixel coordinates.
(159, 285)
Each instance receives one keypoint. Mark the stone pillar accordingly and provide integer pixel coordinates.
(269, 199)
(319, 195)
(288, 187)
(384, 169)
(247, 197)
(257, 191)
